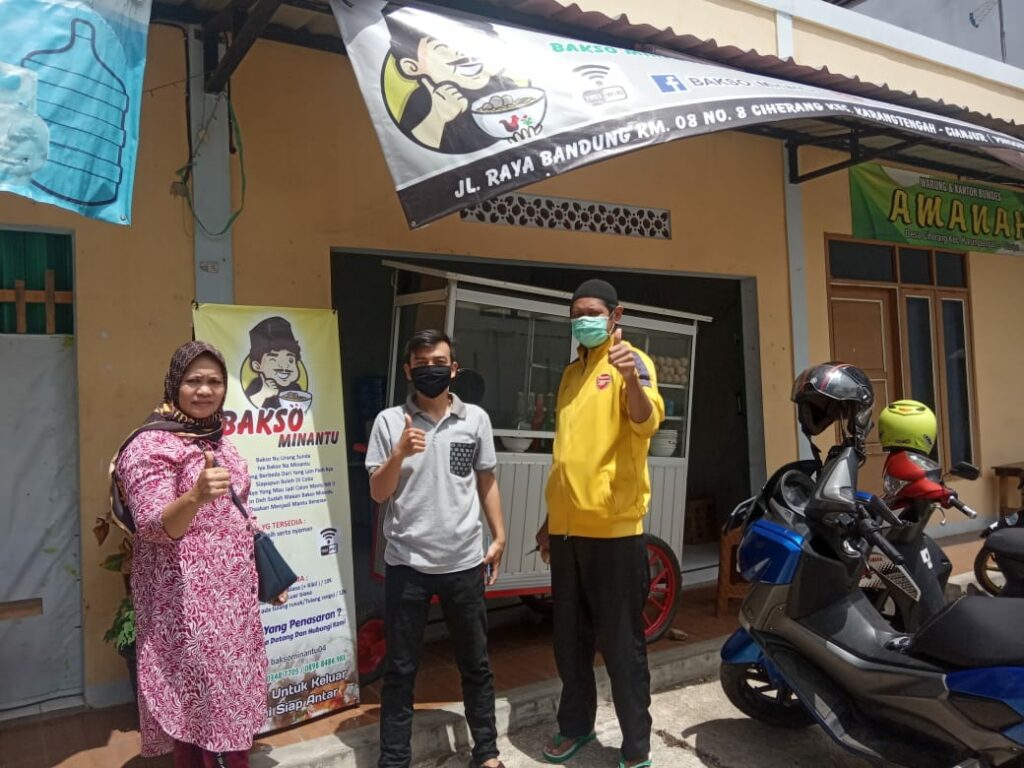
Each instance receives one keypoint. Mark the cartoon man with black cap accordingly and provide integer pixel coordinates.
(275, 357)
(597, 496)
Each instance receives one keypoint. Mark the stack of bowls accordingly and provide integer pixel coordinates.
(665, 442)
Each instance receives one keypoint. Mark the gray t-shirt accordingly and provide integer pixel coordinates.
(432, 522)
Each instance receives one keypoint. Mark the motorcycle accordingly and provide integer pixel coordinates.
(1002, 553)
(914, 489)
(813, 648)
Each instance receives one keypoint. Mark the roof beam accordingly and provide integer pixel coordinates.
(255, 24)
(857, 156)
(960, 171)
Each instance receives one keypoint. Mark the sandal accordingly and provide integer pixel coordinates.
(578, 743)
(645, 764)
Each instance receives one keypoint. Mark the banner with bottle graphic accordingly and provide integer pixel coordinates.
(284, 413)
(901, 206)
(70, 87)
(466, 109)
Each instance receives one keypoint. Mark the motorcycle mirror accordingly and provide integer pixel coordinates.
(965, 470)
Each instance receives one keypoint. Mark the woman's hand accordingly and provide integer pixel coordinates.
(212, 483)
(280, 599)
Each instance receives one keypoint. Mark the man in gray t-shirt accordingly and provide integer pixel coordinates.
(431, 463)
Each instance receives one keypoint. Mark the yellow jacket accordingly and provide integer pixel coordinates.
(599, 484)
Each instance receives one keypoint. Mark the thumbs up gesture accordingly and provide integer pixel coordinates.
(412, 440)
(620, 355)
(213, 481)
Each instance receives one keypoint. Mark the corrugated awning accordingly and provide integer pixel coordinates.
(309, 22)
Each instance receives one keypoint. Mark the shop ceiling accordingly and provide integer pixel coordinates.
(310, 23)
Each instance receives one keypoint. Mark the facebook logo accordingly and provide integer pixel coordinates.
(668, 83)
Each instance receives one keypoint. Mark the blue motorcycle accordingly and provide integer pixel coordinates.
(814, 649)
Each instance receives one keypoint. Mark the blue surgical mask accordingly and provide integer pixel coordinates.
(591, 331)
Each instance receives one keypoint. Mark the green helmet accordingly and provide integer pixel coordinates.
(907, 425)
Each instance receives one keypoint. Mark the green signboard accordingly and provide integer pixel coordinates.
(901, 206)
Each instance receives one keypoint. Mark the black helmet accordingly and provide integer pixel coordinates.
(831, 392)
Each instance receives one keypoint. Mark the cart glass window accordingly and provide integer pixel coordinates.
(671, 354)
(512, 359)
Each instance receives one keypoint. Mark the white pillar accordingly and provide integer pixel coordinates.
(211, 183)
(793, 199)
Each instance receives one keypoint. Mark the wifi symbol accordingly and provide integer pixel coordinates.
(329, 535)
(595, 73)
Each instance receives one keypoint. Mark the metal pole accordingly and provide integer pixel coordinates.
(1002, 31)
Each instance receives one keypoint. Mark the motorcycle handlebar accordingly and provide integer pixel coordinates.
(886, 546)
(879, 509)
(955, 501)
(869, 530)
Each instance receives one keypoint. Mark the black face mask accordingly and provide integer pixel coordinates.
(431, 380)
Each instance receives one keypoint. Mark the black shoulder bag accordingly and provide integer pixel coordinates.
(274, 574)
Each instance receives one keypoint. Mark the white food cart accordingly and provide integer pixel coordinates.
(513, 341)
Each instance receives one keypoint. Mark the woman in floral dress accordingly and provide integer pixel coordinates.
(201, 660)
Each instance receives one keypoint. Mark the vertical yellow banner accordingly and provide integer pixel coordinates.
(284, 413)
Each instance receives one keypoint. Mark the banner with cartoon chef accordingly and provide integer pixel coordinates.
(70, 88)
(284, 413)
(466, 109)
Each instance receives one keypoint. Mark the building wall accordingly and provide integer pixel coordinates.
(949, 20)
(133, 288)
(317, 180)
(817, 47)
(995, 283)
(724, 192)
(752, 25)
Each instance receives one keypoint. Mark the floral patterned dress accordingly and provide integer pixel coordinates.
(202, 665)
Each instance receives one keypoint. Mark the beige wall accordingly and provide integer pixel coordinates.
(996, 283)
(317, 180)
(133, 286)
(753, 27)
(321, 182)
(817, 47)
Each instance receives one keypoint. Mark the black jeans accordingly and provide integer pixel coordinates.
(598, 588)
(407, 594)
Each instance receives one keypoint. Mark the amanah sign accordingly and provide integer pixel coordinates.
(466, 109)
(903, 206)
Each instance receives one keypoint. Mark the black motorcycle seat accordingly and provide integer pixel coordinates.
(974, 632)
(1007, 542)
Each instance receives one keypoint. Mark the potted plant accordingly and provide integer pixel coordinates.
(122, 630)
(122, 635)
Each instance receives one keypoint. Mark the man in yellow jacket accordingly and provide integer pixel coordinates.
(597, 495)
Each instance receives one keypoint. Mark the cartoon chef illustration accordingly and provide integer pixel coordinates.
(446, 94)
(276, 359)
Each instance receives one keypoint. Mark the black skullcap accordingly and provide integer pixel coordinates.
(270, 335)
(598, 289)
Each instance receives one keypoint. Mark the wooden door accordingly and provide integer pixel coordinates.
(864, 333)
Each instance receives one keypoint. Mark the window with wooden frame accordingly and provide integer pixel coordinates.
(932, 335)
(35, 283)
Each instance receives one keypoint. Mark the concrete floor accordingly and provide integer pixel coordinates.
(693, 726)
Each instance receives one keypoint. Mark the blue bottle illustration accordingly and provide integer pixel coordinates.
(85, 104)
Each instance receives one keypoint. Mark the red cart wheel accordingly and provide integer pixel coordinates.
(665, 592)
(372, 647)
